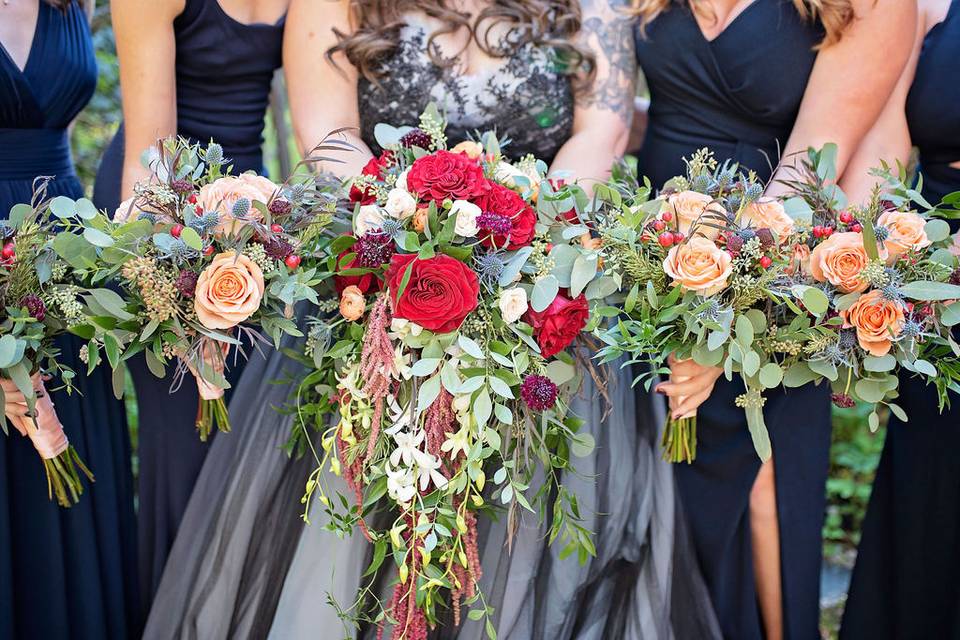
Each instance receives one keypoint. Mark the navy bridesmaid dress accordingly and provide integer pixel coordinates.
(64, 573)
(739, 94)
(223, 73)
(906, 584)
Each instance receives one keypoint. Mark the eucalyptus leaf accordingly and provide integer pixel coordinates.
(85, 209)
(63, 207)
(429, 391)
(771, 375)
(97, 238)
(545, 291)
(937, 230)
(584, 269)
(927, 290)
(582, 445)
(482, 408)
(424, 367)
(880, 364)
(924, 367)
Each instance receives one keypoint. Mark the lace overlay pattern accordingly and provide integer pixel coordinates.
(528, 99)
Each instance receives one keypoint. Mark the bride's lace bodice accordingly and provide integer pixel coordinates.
(528, 99)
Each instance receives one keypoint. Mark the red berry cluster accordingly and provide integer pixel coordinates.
(823, 231)
(8, 254)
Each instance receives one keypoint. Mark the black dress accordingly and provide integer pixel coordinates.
(64, 573)
(223, 73)
(906, 583)
(739, 94)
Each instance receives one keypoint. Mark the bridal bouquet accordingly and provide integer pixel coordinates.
(37, 303)
(204, 259)
(462, 289)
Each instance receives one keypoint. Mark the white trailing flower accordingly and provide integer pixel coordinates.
(400, 204)
(466, 214)
(408, 447)
(401, 484)
(428, 469)
(401, 328)
(349, 381)
(399, 416)
(513, 304)
(456, 443)
(402, 180)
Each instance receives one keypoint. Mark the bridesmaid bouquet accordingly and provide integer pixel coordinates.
(462, 289)
(890, 273)
(203, 259)
(711, 270)
(37, 303)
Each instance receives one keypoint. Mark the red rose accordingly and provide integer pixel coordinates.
(557, 326)
(374, 168)
(443, 175)
(366, 282)
(440, 294)
(507, 221)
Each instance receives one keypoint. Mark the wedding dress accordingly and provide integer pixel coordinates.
(244, 566)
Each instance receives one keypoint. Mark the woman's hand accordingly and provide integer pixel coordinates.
(15, 403)
(689, 387)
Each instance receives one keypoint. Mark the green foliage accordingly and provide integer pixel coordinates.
(854, 455)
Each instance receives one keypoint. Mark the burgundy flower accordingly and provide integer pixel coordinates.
(181, 186)
(277, 248)
(843, 401)
(187, 283)
(374, 249)
(34, 306)
(538, 392)
(416, 138)
(279, 207)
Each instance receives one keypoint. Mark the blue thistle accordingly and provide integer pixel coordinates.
(391, 227)
(701, 183)
(179, 252)
(241, 208)
(489, 267)
(911, 329)
(848, 339)
(882, 233)
(149, 217)
(734, 201)
(892, 292)
(753, 192)
(214, 154)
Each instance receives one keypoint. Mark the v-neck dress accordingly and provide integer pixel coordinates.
(224, 69)
(739, 94)
(906, 584)
(64, 573)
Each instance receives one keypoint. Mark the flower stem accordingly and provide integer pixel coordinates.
(680, 439)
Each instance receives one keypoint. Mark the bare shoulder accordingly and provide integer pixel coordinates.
(932, 12)
(142, 11)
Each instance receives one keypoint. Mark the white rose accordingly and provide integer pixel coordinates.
(466, 214)
(513, 304)
(402, 180)
(369, 217)
(400, 204)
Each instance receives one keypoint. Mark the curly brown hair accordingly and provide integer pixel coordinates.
(834, 15)
(548, 23)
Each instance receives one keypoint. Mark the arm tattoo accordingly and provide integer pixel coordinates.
(608, 31)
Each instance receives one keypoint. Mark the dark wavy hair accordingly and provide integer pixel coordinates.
(549, 23)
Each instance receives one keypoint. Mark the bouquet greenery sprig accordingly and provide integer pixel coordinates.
(39, 299)
(204, 260)
(462, 288)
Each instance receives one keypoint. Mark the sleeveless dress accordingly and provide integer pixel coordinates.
(64, 573)
(223, 73)
(739, 94)
(906, 584)
(229, 575)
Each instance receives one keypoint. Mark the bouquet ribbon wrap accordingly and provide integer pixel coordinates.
(212, 411)
(60, 461)
(45, 431)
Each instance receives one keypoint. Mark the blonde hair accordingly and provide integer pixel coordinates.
(834, 15)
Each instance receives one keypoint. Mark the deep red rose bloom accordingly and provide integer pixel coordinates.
(443, 175)
(366, 282)
(374, 168)
(500, 203)
(441, 292)
(557, 326)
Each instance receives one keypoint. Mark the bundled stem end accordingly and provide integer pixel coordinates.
(63, 477)
(212, 413)
(680, 439)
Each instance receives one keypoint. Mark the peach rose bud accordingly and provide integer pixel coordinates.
(352, 303)
(420, 219)
(473, 149)
(689, 207)
(877, 321)
(222, 194)
(906, 231)
(840, 259)
(228, 291)
(769, 213)
(699, 265)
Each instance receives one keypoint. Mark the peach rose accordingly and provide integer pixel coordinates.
(906, 232)
(228, 291)
(352, 303)
(770, 214)
(221, 194)
(839, 260)
(954, 247)
(473, 149)
(699, 265)
(800, 262)
(689, 206)
(877, 321)
(420, 219)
